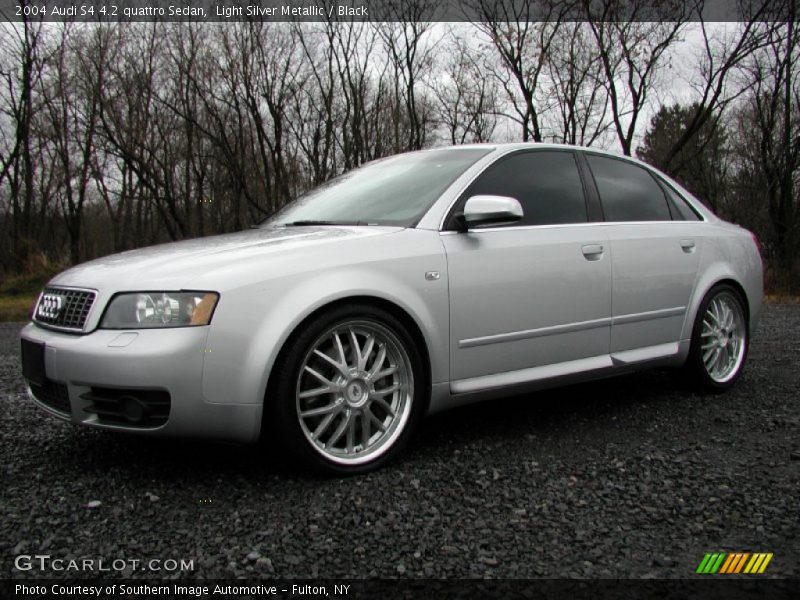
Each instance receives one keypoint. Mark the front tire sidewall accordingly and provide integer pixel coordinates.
(283, 388)
(695, 365)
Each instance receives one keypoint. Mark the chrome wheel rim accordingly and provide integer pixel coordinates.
(354, 392)
(722, 337)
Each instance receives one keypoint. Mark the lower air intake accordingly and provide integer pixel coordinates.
(53, 395)
(128, 408)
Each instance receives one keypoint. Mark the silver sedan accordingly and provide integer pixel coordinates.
(408, 286)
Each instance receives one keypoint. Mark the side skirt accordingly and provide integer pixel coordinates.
(496, 385)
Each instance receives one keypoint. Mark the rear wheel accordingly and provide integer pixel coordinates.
(350, 390)
(719, 340)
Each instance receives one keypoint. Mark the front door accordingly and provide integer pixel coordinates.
(528, 297)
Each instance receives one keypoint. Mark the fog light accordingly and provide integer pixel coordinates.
(132, 409)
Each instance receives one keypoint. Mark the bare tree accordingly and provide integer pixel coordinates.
(273, 70)
(632, 52)
(410, 54)
(771, 145)
(187, 57)
(316, 93)
(523, 33)
(361, 85)
(721, 58)
(140, 133)
(70, 96)
(17, 167)
(115, 136)
(578, 87)
(467, 101)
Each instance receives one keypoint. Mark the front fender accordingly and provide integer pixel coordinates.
(242, 350)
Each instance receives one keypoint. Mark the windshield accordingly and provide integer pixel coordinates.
(392, 191)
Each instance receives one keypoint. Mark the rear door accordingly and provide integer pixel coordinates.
(654, 255)
(533, 294)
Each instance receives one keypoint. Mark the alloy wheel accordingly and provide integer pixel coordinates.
(722, 337)
(354, 392)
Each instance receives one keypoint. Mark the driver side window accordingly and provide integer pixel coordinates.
(547, 185)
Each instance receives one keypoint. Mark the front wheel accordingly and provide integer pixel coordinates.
(350, 390)
(719, 340)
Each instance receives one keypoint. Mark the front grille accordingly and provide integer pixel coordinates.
(130, 408)
(64, 308)
(53, 395)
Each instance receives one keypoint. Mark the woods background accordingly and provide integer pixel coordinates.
(122, 135)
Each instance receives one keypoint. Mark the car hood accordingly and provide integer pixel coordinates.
(174, 265)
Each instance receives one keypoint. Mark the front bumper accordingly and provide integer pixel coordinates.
(170, 360)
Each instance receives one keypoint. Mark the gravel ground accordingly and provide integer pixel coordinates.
(630, 477)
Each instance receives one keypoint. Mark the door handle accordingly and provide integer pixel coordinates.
(592, 251)
(687, 245)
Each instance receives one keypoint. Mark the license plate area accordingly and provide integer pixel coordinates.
(33, 362)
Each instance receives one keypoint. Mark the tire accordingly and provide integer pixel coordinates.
(342, 404)
(720, 340)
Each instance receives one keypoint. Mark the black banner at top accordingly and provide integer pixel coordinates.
(393, 10)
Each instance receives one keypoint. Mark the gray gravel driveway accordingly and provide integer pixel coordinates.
(627, 477)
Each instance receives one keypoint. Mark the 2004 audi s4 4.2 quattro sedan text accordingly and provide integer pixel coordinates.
(412, 284)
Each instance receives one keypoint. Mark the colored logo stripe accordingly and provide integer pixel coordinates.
(734, 562)
(703, 564)
(727, 564)
(758, 563)
(711, 562)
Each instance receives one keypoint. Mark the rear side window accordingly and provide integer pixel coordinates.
(547, 185)
(681, 211)
(627, 192)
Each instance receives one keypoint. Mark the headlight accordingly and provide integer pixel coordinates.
(147, 310)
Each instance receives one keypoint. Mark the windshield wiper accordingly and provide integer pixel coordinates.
(313, 222)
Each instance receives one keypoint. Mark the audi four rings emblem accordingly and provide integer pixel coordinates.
(50, 306)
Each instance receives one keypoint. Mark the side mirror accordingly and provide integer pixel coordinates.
(489, 210)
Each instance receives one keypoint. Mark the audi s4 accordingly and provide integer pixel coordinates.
(408, 286)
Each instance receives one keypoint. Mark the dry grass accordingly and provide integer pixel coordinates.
(781, 299)
(782, 286)
(16, 308)
(17, 294)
